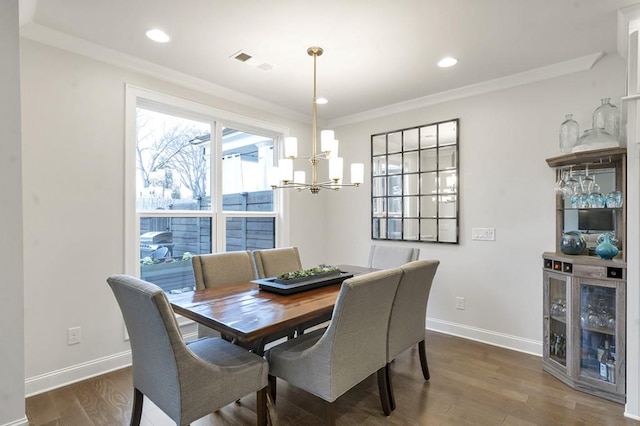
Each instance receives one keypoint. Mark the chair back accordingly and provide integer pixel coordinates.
(272, 262)
(354, 344)
(383, 257)
(215, 269)
(156, 342)
(408, 314)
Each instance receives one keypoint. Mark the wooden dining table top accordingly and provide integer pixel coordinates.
(248, 314)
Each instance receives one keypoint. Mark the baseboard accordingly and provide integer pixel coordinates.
(631, 416)
(75, 373)
(507, 341)
(20, 422)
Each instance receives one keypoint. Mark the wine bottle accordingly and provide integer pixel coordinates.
(611, 366)
(603, 361)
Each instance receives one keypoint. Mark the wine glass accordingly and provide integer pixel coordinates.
(572, 183)
(561, 184)
(586, 181)
(596, 199)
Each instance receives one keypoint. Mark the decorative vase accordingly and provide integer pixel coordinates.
(569, 134)
(595, 139)
(607, 117)
(612, 238)
(572, 242)
(606, 250)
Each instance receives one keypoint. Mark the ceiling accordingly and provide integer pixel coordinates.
(377, 52)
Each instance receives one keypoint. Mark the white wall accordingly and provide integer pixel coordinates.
(505, 137)
(11, 283)
(73, 157)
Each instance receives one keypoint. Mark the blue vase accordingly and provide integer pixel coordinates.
(606, 250)
(572, 242)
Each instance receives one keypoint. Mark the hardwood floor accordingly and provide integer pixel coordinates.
(471, 384)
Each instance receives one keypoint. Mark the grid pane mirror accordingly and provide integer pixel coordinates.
(415, 185)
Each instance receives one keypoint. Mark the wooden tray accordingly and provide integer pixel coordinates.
(270, 284)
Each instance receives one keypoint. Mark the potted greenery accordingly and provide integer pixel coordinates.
(170, 273)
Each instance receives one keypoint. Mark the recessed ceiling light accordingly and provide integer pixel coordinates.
(158, 36)
(321, 101)
(447, 62)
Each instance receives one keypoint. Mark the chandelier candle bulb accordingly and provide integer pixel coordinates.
(286, 169)
(357, 173)
(335, 168)
(298, 177)
(326, 140)
(333, 149)
(273, 176)
(290, 147)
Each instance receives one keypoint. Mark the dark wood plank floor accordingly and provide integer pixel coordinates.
(471, 384)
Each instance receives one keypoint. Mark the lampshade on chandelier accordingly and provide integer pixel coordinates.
(284, 176)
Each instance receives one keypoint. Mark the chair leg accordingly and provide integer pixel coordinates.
(261, 406)
(392, 399)
(136, 410)
(423, 360)
(383, 389)
(272, 387)
(329, 414)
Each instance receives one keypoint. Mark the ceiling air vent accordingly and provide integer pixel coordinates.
(241, 56)
(245, 58)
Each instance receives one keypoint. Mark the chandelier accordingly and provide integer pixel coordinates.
(284, 176)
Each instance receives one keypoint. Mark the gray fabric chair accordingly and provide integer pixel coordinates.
(186, 381)
(272, 262)
(383, 257)
(354, 346)
(407, 322)
(215, 269)
(222, 268)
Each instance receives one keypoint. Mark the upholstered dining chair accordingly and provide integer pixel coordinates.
(383, 257)
(186, 381)
(272, 262)
(329, 363)
(408, 315)
(222, 268)
(215, 269)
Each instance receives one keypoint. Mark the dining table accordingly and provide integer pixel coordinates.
(250, 316)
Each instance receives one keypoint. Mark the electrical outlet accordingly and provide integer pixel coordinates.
(460, 303)
(74, 336)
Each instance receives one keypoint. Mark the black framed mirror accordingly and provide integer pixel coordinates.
(415, 185)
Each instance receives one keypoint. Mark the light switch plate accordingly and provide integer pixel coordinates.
(483, 234)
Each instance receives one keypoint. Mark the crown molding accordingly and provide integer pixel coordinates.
(628, 21)
(583, 63)
(64, 41)
(26, 11)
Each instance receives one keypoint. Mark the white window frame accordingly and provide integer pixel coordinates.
(139, 97)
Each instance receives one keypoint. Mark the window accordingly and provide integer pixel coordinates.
(414, 184)
(200, 182)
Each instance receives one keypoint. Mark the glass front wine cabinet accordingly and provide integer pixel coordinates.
(584, 323)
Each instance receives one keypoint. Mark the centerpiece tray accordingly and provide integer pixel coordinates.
(297, 285)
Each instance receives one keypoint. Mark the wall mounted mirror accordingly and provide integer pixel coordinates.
(580, 215)
(415, 185)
